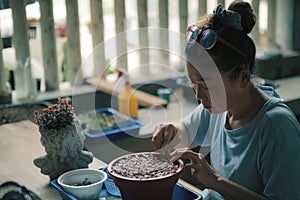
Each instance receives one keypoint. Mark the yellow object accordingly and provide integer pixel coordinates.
(128, 101)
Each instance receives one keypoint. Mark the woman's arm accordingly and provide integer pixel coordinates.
(193, 125)
(207, 176)
(231, 190)
(173, 135)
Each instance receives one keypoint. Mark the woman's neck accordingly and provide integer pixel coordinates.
(248, 106)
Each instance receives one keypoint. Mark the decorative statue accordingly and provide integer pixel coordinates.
(62, 138)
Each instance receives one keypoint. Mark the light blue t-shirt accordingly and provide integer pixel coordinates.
(263, 155)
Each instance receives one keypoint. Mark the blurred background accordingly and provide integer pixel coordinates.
(69, 42)
(274, 34)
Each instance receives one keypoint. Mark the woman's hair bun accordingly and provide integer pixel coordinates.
(246, 12)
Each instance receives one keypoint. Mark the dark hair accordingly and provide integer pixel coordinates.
(225, 57)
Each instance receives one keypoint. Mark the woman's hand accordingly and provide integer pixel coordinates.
(163, 134)
(200, 167)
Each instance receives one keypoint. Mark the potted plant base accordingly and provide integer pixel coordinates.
(145, 175)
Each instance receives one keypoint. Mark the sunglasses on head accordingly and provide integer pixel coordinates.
(207, 38)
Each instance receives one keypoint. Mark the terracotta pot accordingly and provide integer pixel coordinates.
(158, 188)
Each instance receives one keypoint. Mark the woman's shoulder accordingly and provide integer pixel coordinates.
(275, 109)
(278, 119)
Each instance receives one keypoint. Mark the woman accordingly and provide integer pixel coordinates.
(254, 138)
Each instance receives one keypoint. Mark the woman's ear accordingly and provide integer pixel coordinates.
(244, 77)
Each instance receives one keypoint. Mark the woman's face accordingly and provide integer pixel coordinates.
(215, 91)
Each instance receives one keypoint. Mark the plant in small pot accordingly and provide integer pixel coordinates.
(62, 138)
(145, 175)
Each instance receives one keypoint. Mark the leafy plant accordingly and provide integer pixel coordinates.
(56, 116)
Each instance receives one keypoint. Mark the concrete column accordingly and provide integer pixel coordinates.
(183, 18)
(49, 45)
(74, 70)
(142, 13)
(296, 31)
(20, 40)
(120, 22)
(285, 21)
(20, 35)
(5, 95)
(2, 71)
(202, 8)
(163, 14)
(183, 15)
(255, 32)
(164, 36)
(97, 27)
(271, 22)
(143, 35)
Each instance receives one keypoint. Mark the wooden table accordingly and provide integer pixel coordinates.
(19, 145)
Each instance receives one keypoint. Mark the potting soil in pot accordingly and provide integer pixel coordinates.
(145, 175)
(144, 166)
